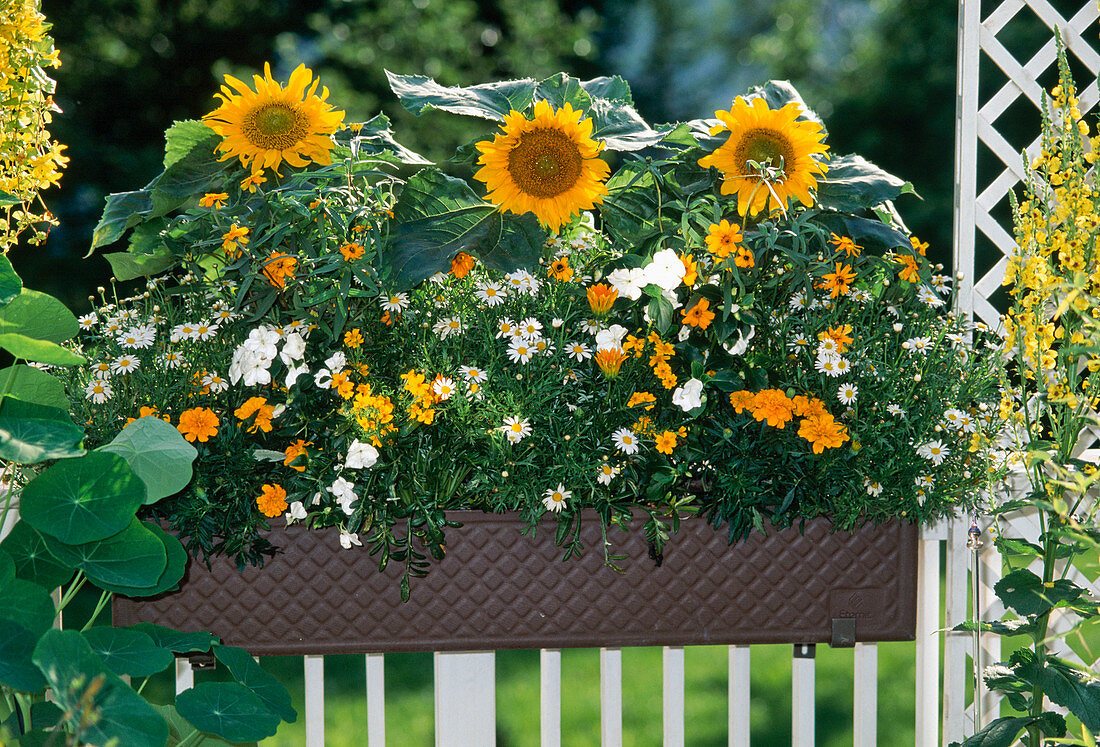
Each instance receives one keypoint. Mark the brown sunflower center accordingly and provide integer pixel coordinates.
(545, 163)
(766, 147)
(275, 126)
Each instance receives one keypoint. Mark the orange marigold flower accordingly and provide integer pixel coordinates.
(838, 334)
(610, 360)
(846, 245)
(144, 412)
(278, 267)
(644, 399)
(560, 269)
(745, 258)
(296, 453)
(234, 240)
(416, 384)
(644, 427)
(421, 414)
(699, 315)
(251, 182)
(691, 269)
(462, 264)
(387, 319)
(214, 200)
(808, 407)
(920, 247)
(634, 345)
(910, 273)
(258, 411)
(198, 424)
(353, 338)
(742, 400)
(601, 297)
(343, 385)
(837, 282)
(666, 442)
(823, 432)
(723, 238)
(352, 250)
(773, 406)
(272, 500)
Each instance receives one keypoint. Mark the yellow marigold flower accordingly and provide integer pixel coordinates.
(548, 165)
(610, 360)
(601, 297)
(351, 251)
(742, 400)
(273, 124)
(249, 183)
(644, 399)
(421, 414)
(353, 338)
(258, 412)
(837, 282)
(845, 244)
(823, 432)
(416, 384)
(634, 345)
(560, 269)
(723, 238)
(296, 455)
(214, 200)
(910, 273)
(699, 315)
(691, 269)
(234, 240)
(272, 500)
(745, 258)
(198, 424)
(665, 442)
(462, 264)
(774, 407)
(769, 158)
(278, 267)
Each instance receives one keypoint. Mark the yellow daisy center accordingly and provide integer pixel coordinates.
(275, 126)
(545, 163)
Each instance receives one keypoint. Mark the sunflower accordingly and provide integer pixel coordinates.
(782, 147)
(272, 124)
(547, 165)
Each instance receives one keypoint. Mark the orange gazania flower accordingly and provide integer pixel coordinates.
(198, 424)
(745, 257)
(560, 269)
(462, 264)
(845, 244)
(234, 240)
(837, 282)
(214, 200)
(601, 297)
(773, 406)
(351, 250)
(272, 500)
(910, 272)
(278, 267)
(610, 360)
(920, 247)
(666, 442)
(723, 238)
(838, 334)
(144, 411)
(699, 315)
(691, 269)
(258, 411)
(294, 451)
(642, 399)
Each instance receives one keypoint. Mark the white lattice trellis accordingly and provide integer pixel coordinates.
(976, 199)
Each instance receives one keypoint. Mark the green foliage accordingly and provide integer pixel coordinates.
(32, 433)
(156, 454)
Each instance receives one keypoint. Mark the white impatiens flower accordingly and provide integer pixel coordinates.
(606, 473)
(578, 351)
(874, 487)
(847, 393)
(520, 351)
(344, 493)
(297, 512)
(448, 327)
(294, 348)
(554, 498)
(444, 387)
(934, 451)
(337, 361)
(625, 441)
(98, 391)
(629, 282)
(742, 344)
(492, 293)
(293, 373)
(688, 396)
(360, 455)
(611, 338)
(396, 302)
(348, 539)
(516, 428)
(471, 373)
(125, 364)
(666, 270)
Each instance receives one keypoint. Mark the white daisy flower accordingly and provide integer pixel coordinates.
(396, 302)
(847, 393)
(137, 338)
(205, 331)
(951, 417)
(919, 345)
(101, 370)
(798, 302)
(966, 423)
(934, 451)
(530, 328)
(520, 351)
(474, 374)
(185, 331)
(506, 328)
(516, 428)
(828, 347)
(125, 364)
(874, 487)
(88, 321)
(625, 441)
(556, 322)
(98, 391)
(606, 473)
(927, 297)
(922, 496)
(826, 365)
(215, 382)
(798, 344)
(895, 410)
(554, 498)
(444, 387)
(448, 327)
(589, 327)
(492, 293)
(841, 367)
(543, 346)
(578, 351)
(225, 315)
(941, 283)
(439, 278)
(924, 481)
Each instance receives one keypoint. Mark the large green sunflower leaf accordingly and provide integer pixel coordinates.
(614, 119)
(10, 284)
(27, 348)
(853, 183)
(493, 101)
(779, 93)
(129, 266)
(123, 211)
(187, 137)
(375, 141)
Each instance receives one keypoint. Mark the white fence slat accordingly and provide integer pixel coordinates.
(673, 696)
(928, 608)
(550, 697)
(955, 645)
(802, 699)
(465, 699)
(376, 699)
(185, 675)
(865, 700)
(611, 697)
(315, 700)
(740, 659)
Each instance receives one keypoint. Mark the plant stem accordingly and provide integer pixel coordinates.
(104, 598)
(1050, 546)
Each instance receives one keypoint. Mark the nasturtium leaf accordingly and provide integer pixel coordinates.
(16, 668)
(135, 557)
(177, 641)
(45, 715)
(493, 101)
(38, 316)
(71, 667)
(250, 674)
(31, 433)
(170, 578)
(33, 562)
(7, 568)
(157, 453)
(83, 500)
(181, 731)
(28, 605)
(10, 284)
(129, 652)
(228, 710)
(33, 385)
(27, 348)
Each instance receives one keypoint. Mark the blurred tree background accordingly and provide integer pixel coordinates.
(881, 73)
